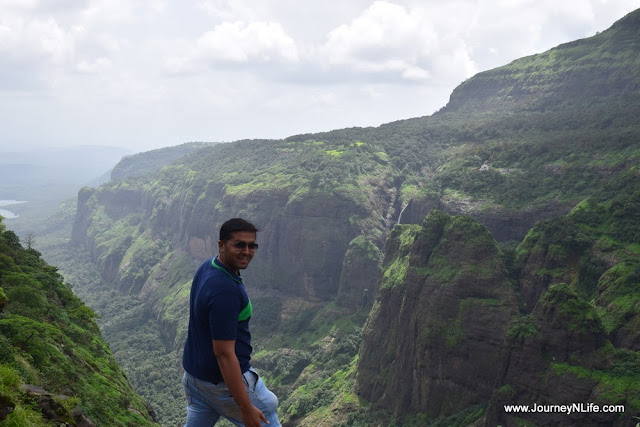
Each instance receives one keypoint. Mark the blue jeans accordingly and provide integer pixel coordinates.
(206, 401)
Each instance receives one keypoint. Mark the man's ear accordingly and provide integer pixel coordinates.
(220, 244)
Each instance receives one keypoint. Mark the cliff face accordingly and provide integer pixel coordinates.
(127, 247)
(435, 338)
(359, 276)
(562, 330)
(556, 326)
(566, 328)
(504, 224)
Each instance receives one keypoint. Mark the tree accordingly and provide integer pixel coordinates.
(30, 240)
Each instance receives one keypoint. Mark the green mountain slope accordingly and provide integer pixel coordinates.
(460, 326)
(581, 74)
(554, 135)
(54, 365)
(143, 163)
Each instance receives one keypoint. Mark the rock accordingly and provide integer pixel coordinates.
(52, 409)
(531, 371)
(359, 274)
(80, 418)
(434, 341)
(6, 406)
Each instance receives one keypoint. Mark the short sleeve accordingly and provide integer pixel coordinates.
(223, 316)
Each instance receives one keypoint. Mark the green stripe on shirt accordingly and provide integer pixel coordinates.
(246, 312)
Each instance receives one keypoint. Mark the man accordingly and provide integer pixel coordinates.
(218, 378)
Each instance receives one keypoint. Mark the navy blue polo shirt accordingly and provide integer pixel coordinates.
(219, 309)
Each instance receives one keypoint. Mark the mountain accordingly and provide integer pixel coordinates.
(458, 326)
(55, 367)
(582, 74)
(491, 248)
(148, 161)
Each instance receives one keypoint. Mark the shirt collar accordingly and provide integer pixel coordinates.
(220, 266)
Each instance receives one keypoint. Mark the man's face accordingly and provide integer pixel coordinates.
(233, 257)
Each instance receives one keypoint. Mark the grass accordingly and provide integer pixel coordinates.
(609, 387)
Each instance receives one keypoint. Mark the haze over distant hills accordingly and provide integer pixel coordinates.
(44, 177)
(53, 173)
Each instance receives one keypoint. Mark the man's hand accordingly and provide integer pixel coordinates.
(252, 417)
(225, 352)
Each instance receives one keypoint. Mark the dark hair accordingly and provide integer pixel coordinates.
(235, 224)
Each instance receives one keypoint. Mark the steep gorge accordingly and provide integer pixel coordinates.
(458, 316)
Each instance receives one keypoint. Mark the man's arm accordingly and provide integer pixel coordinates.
(225, 352)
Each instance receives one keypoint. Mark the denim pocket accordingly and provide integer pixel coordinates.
(187, 391)
(250, 380)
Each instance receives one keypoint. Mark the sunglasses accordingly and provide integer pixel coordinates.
(242, 245)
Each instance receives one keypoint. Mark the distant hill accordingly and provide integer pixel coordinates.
(149, 161)
(44, 177)
(57, 170)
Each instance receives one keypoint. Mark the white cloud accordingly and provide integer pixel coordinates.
(403, 42)
(371, 91)
(96, 66)
(415, 73)
(385, 38)
(383, 27)
(237, 43)
(229, 10)
(17, 5)
(393, 42)
(44, 42)
(34, 39)
(242, 42)
(107, 12)
(32, 51)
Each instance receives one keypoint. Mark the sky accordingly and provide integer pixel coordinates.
(146, 74)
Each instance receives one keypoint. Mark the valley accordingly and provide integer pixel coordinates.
(428, 271)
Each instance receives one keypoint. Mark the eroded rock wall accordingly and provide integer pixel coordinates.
(435, 338)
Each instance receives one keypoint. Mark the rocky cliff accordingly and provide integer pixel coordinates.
(436, 335)
(130, 226)
(473, 332)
